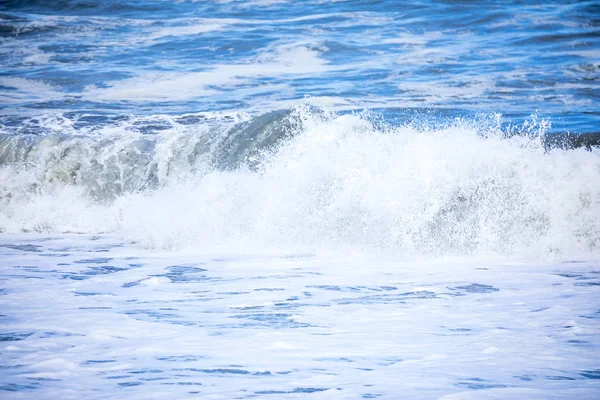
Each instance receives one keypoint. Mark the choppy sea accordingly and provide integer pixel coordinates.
(276, 199)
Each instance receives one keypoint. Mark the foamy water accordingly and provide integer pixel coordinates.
(327, 181)
(88, 315)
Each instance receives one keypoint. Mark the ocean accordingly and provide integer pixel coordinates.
(276, 199)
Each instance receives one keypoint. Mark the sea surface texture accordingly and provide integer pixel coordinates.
(273, 199)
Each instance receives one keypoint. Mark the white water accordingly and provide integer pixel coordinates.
(342, 183)
(89, 317)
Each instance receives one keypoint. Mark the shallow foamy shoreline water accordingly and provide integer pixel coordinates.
(91, 317)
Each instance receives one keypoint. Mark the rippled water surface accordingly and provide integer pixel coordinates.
(189, 56)
(88, 315)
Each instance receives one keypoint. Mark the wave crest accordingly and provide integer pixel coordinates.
(312, 180)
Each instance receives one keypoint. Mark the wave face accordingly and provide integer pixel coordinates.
(311, 180)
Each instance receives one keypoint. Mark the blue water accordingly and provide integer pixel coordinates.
(151, 57)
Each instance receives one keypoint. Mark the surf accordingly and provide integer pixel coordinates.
(312, 179)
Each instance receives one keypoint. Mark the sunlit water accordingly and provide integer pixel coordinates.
(320, 200)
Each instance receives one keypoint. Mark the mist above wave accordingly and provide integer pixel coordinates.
(313, 180)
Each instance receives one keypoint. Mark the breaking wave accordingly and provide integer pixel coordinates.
(308, 179)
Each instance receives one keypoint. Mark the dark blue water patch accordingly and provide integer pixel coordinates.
(478, 383)
(327, 287)
(184, 358)
(101, 260)
(55, 254)
(34, 248)
(269, 290)
(524, 378)
(294, 391)
(386, 288)
(14, 336)
(371, 396)
(476, 288)
(578, 342)
(372, 288)
(540, 309)
(39, 379)
(182, 269)
(186, 323)
(182, 384)
(296, 306)
(92, 294)
(74, 277)
(93, 271)
(396, 298)
(60, 249)
(587, 284)
(422, 294)
(127, 384)
(264, 317)
(559, 378)
(591, 374)
(581, 276)
(147, 371)
(307, 272)
(226, 371)
(132, 284)
(354, 289)
(204, 297)
(268, 320)
(104, 270)
(463, 330)
(45, 335)
(185, 274)
(118, 377)
(94, 308)
(93, 362)
(15, 387)
(152, 378)
(21, 276)
(151, 313)
(247, 308)
(568, 275)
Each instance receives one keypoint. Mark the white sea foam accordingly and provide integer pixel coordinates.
(26, 89)
(296, 59)
(342, 182)
(96, 318)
